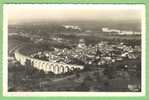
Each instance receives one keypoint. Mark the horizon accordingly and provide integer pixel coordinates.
(69, 12)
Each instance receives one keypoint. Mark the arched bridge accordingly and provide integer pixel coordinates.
(46, 66)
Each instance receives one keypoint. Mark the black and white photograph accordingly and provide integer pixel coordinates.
(74, 48)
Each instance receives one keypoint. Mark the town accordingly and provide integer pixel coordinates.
(81, 60)
(98, 54)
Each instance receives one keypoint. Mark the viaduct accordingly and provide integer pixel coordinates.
(46, 66)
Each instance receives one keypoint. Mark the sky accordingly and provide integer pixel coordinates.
(54, 12)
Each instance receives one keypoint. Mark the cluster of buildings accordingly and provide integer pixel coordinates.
(20, 34)
(120, 32)
(98, 54)
(72, 27)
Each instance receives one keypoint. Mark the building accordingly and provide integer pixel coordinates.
(81, 43)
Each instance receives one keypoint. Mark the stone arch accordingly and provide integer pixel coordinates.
(66, 69)
(39, 65)
(44, 66)
(72, 67)
(20, 60)
(50, 67)
(35, 63)
(18, 57)
(32, 62)
(61, 68)
(47, 67)
(56, 71)
(23, 61)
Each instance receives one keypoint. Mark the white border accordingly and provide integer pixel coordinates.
(98, 6)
